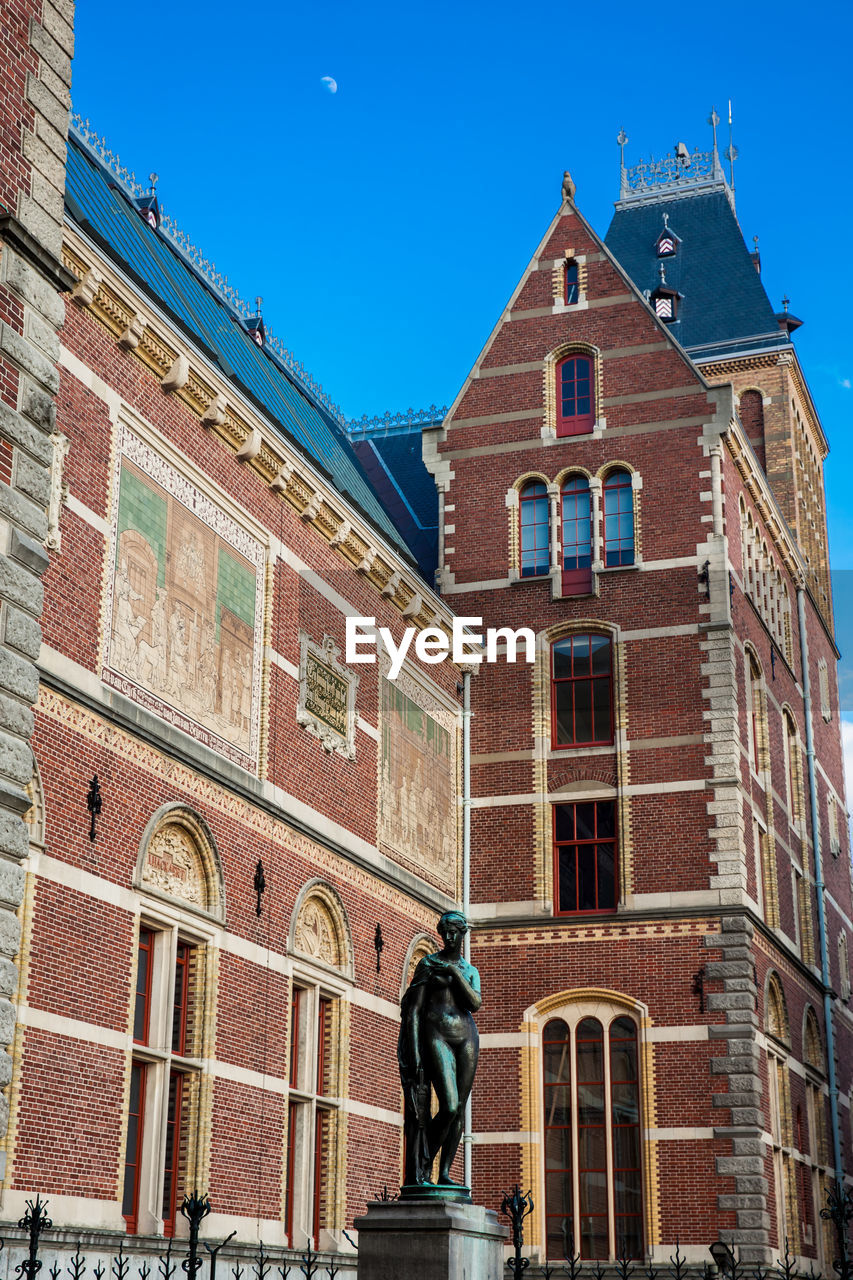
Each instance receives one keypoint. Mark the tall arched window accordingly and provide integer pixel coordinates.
(593, 1176)
(752, 418)
(575, 396)
(618, 519)
(781, 1116)
(576, 535)
(534, 528)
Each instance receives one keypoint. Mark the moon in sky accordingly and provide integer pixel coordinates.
(328, 83)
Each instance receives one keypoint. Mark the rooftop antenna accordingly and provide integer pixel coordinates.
(731, 156)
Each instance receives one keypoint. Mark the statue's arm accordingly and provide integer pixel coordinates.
(416, 1003)
(469, 988)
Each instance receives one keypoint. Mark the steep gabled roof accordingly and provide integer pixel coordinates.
(103, 209)
(723, 306)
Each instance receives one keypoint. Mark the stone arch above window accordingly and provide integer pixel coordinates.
(422, 945)
(813, 1054)
(776, 1011)
(178, 860)
(582, 388)
(35, 815)
(319, 929)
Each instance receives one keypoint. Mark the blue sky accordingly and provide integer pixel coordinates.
(386, 224)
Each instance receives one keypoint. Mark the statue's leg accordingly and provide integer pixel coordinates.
(442, 1074)
(466, 1065)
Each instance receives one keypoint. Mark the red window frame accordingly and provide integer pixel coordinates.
(619, 1036)
(172, 1152)
(592, 1177)
(568, 689)
(144, 968)
(575, 396)
(292, 1112)
(295, 1007)
(572, 283)
(320, 1134)
(578, 861)
(133, 1149)
(180, 1007)
(324, 1006)
(533, 503)
(618, 519)
(576, 535)
(557, 1175)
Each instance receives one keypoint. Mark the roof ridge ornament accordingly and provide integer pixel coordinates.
(96, 145)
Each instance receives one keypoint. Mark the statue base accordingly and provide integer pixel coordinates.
(433, 1236)
(453, 1193)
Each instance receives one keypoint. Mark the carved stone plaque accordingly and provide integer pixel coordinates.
(314, 934)
(326, 706)
(172, 865)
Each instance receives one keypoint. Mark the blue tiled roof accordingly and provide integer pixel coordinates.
(394, 463)
(97, 203)
(723, 306)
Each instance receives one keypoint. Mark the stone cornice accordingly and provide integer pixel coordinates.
(142, 331)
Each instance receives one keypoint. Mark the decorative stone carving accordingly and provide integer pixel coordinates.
(58, 490)
(281, 480)
(251, 446)
(177, 376)
(85, 290)
(312, 510)
(315, 934)
(327, 689)
(130, 339)
(365, 564)
(341, 534)
(214, 414)
(390, 588)
(172, 865)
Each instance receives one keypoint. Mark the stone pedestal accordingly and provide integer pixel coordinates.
(429, 1239)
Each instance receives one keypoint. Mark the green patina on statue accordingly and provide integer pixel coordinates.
(438, 1049)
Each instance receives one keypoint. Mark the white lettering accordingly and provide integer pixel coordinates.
(494, 634)
(397, 653)
(432, 644)
(355, 639)
(461, 640)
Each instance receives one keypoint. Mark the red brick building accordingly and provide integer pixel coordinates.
(237, 842)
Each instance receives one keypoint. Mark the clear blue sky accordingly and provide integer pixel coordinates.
(386, 224)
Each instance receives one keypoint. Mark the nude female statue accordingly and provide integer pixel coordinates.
(438, 1047)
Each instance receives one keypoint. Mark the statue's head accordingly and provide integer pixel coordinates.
(451, 920)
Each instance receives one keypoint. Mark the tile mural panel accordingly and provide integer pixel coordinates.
(417, 820)
(184, 605)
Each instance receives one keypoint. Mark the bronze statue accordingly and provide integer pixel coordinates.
(438, 1047)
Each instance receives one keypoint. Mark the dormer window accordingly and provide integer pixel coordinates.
(666, 245)
(572, 283)
(664, 299)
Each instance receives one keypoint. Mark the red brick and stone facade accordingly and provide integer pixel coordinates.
(238, 843)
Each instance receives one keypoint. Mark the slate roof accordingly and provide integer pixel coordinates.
(723, 306)
(100, 206)
(394, 463)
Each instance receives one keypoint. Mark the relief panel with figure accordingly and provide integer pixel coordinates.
(184, 605)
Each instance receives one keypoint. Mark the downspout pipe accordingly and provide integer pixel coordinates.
(466, 880)
(819, 893)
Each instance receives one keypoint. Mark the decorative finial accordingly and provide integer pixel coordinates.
(258, 304)
(785, 301)
(713, 121)
(621, 139)
(662, 274)
(731, 156)
(153, 178)
(568, 186)
(755, 242)
(666, 220)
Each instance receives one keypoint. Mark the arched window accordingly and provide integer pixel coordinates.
(756, 732)
(581, 691)
(794, 775)
(593, 1177)
(576, 536)
(781, 1115)
(322, 949)
(534, 528)
(618, 519)
(575, 396)
(572, 283)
